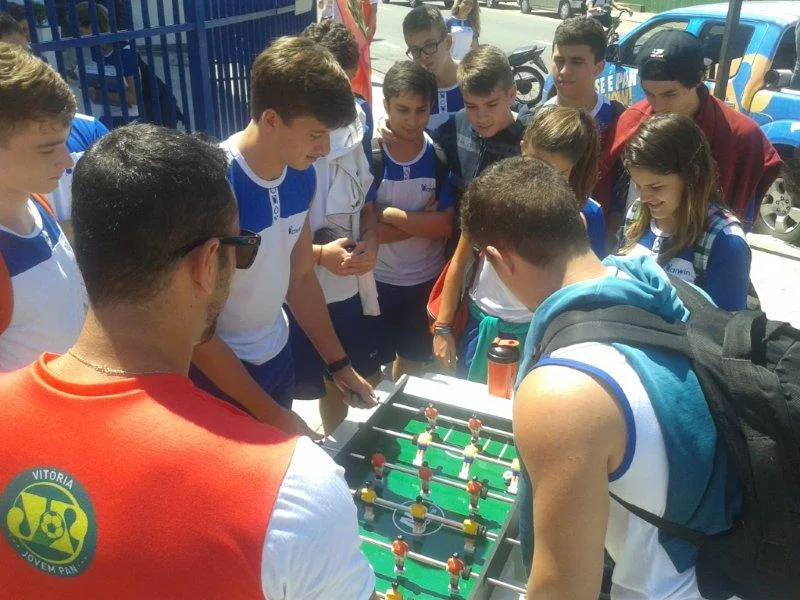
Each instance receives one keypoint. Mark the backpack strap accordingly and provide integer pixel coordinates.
(44, 203)
(718, 219)
(668, 527)
(442, 168)
(377, 161)
(617, 108)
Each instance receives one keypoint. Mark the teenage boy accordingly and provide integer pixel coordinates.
(485, 132)
(416, 209)
(113, 433)
(671, 70)
(42, 300)
(595, 418)
(344, 230)
(299, 94)
(579, 55)
(428, 43)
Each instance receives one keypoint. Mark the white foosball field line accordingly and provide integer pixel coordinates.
(435, 478)
(406, 436)
(455, 421)
(432, 562)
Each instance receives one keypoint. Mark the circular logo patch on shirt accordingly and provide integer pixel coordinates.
(49, 520)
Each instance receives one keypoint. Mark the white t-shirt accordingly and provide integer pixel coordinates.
(253, 322)
(491, 295)
(410, 186)
(49, 295)
(462, 33)
(312, 549)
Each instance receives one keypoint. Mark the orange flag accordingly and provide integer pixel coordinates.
(355, 15)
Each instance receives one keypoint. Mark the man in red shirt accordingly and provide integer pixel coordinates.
(119, 477)
(671, 69)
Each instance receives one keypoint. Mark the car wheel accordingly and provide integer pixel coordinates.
(492, 3)
(525, 6)
(415, 3)
(448, 4)
(564, 10)
(780, 211)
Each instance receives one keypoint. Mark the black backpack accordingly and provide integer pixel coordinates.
(749, 371)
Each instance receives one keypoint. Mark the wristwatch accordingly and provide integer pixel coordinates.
(337, 365)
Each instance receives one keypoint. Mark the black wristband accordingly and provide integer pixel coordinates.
(338, 365)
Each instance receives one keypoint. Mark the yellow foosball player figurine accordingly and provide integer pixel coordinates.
(394, 593)
(368, 496)
(471, 528)
(470, 452)
(418, 513)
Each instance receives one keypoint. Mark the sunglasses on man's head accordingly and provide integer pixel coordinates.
(245, 245)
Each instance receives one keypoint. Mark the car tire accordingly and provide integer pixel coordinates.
(448, 4)
(779, 215)
(415, 3)
(530, 83)
(525, 6)
(492, 3)
(564, 10)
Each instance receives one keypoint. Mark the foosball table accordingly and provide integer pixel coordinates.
(434, 472)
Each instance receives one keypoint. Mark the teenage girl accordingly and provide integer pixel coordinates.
(678, 217)
(464, 26)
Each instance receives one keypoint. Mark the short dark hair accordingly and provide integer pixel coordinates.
(583, 31)
(483, 69)
(140, 195)
(297, 77)
(424, 18)
(9, 26)
(84, 15)
(523, 205)
(337, 39)
(407, 76)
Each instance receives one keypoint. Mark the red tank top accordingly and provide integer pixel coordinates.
(136, 488)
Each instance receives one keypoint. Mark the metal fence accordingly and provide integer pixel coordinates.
(179, 63)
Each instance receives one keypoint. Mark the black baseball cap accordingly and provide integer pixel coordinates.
(671, 55)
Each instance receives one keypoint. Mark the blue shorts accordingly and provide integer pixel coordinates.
(403, 325)
(356, 333)
(276, 377)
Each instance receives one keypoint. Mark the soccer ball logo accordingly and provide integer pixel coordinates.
(52, 525)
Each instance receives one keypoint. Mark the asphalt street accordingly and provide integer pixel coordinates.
(505, 27)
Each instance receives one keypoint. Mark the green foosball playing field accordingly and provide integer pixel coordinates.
(394, 437)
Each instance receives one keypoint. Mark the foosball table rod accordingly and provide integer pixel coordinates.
(427, 560)
(405, 436)
(448, 522)
(505, 585)
(454, 484)
(455, 421)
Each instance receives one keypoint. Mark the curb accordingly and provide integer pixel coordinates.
(767, 243)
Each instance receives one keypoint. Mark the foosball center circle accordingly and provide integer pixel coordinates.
(404, 522)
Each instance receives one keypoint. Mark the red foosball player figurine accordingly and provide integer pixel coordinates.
(418, 513)
(475, 425)
(399, 549)
(431, 413)
(455, 566)
(474, 489)
(425, 475)
(513, 487)
(378, 465)
(394, 593)
(368, 496)
(423, 439)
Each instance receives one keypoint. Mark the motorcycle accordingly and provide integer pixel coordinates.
(529, 72)
(610, 21)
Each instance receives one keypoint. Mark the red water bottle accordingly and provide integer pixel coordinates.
(503, 360)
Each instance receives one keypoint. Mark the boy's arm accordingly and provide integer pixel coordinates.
(568, 460)
(426, 224)
(218, 362)
(389, 233)
(307, 303)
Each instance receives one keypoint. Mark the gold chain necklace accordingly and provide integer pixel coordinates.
(113, 372)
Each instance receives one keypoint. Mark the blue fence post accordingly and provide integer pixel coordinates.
(199, 65)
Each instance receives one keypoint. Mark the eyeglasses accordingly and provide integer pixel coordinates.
(245, 245)
(414, 52)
